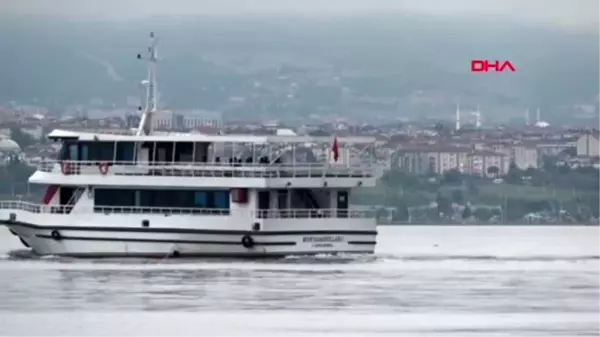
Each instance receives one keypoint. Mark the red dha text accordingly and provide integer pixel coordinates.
(478, 66)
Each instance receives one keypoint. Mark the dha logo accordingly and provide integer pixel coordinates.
(478, 66)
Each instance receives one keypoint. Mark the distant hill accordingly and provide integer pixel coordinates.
(60, 63)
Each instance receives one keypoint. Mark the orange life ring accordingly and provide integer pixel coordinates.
(103, 167)
(65, 167)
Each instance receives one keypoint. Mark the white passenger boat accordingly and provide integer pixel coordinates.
(147, 194)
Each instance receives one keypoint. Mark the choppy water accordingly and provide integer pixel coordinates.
(425, 281)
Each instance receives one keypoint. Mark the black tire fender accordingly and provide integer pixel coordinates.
(56, 235)
(247, 241)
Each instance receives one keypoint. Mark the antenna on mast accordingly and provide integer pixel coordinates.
(145, 127)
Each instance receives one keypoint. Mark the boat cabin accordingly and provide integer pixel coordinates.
(198, 156)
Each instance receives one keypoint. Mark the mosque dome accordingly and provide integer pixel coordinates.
(9, 145)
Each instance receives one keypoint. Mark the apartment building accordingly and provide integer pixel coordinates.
(432, 159)
(554, 147)
(439, 159)
(587, 145)
(480, 161)
(169, 120)
(524, 156)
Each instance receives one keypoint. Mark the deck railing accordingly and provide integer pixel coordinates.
(261, 214)
(313, 213)
(21, 206)
(213, 170)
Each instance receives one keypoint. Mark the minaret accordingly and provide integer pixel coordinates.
(457, 116)
(537, 116)
(145, 127)
(527, 117)
(477, 118)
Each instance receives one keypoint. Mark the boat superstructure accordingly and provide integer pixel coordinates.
(152, 194)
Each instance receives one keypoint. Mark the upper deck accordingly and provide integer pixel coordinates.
(89, 158)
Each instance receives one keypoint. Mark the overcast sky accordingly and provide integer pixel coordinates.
(559, 12)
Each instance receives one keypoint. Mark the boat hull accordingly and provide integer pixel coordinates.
(89, 241)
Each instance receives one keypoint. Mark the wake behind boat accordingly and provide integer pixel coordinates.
(144, 193)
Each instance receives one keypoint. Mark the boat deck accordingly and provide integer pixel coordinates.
(22, 206)
(170, 169)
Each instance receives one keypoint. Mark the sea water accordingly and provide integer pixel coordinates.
(422, 281)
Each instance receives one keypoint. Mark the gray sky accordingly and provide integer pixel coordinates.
(559, 12)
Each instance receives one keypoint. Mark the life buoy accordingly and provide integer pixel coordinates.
(56, 235)
(65, 167)
(103, 167)
(247, 241)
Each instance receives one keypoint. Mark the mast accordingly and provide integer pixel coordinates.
(145, 127)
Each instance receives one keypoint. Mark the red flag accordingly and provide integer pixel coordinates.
(335, 149)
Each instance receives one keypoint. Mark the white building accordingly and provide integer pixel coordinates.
(480, 161)
(587, 145)
(442, 159)
(170, 120)
(524, 156)
(433, 159)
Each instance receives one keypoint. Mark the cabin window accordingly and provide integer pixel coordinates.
(184, 152)
(282, 199)
(84, 152)
(64, 152)
(201, 199)
(97, 151)
(163, 152)
(162, 155)
(221, 199)
(73, 153)
(200, 154)
(176, 152)
(162, 199)
(114, 197)
(263, 200)
(181, 199)
(342, 202)
(105, 151)
(125, 151)
(149, 149)
(92, 151)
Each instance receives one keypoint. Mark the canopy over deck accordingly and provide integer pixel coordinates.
(201, 138)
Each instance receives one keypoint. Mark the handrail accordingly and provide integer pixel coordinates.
(20, 205)
(261, 214)
(212, 169)
(199, 164)
(314, 213)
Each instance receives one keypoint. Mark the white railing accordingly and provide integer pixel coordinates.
(21, 206)
(213, 170)
(313, 213)
(161, 210)
(261, 214)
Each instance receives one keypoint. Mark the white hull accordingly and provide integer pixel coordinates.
(84, 241)
(87, 233)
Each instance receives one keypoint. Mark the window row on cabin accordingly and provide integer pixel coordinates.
(126, 151)
(162, 198)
